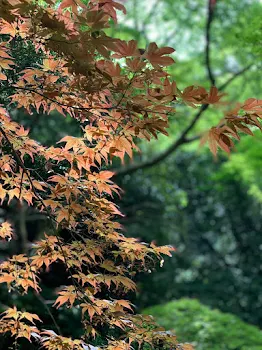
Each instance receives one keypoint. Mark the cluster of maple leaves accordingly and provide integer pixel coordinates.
(118, 94)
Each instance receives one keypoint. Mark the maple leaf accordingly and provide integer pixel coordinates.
(11, 313)
(126, 49)
(220, 137)
(109, 7)
(12, 321)
(67, 296)
(156, 56)
(252, 104)
(105, 175)
(166, 250)
(30, 317)
(5, 64)
(214, 96)
(7, 278)
(6, 231)
(126, 304)
(193, 95)
(3, 76)
(74, 4)
(91, 310)
(8, 28)
(115, 104)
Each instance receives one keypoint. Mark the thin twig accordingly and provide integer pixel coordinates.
(42, 301)
(85, 108)
(234, 76)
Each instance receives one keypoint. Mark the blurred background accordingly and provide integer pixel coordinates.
(176, 193)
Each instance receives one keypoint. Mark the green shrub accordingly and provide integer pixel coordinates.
(207, 329)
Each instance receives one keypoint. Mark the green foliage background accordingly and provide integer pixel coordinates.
(205, 328)
(209, 209)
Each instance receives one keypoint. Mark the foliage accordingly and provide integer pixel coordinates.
(117, 93)
(182, 25)
(247, 153)
(207, 213)
(252, 35)
(201, 206)
(206, 328)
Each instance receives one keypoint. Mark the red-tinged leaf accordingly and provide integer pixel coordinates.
(136, 65)
(244, 129)
(212, 140)
(90, 309)
(72, 142)
(125, 304)
(193, 95)
(39, 185)
(105, 174)
(229, 130)
(252, 104)
(8, 28)
(214, 96)
(225, 143)
(51, 64)
(3, 76)
(13, 193)
(67, 296)
(6, 278)
(63, 214)
(6, 64)
(126, 49)
(166, 250)
(204, 139)
(73, 4)
(3, 193)
(96, 19)
(156, 56)
(110, 7)
(30, 317)
(114, 104)
(254, 118)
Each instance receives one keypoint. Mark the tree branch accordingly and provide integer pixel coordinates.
(151, 162)
(182, 139)
(22, 228)
(234, 76)
(43, 302)
(210, 16)
(114, 107)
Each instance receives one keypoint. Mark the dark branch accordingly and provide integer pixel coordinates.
(210, 16)
(88, 109)
(182, 139)
(43, 302)
(234, 76)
